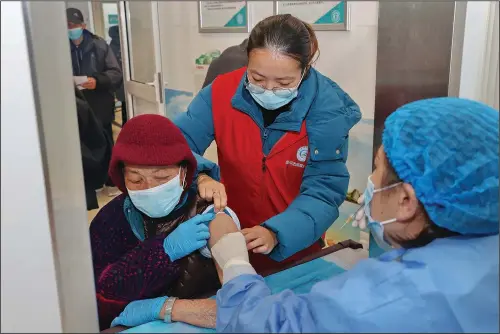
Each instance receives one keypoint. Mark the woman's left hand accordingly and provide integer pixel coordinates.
(140, 312)
(260, 239)
(211, 190)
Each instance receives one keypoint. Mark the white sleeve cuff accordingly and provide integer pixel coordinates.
(237, 269)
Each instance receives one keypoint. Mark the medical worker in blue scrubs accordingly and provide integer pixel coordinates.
(432, 200)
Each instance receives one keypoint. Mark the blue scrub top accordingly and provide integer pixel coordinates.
(450, 285)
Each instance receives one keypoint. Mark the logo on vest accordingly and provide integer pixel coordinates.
(301, 156)
(302, 153)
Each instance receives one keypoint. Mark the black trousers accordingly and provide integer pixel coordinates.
(108, 128)
(124, 113)
(91, 198)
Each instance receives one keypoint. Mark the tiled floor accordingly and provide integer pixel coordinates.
(102, 196)
(102, 199)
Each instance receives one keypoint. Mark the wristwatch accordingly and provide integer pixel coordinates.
(169, 305)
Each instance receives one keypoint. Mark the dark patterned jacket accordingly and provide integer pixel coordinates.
(131, 264)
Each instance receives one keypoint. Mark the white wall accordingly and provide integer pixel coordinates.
(347, 57)
(479, 71)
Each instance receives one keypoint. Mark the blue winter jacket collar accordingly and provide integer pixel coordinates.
(286, 121)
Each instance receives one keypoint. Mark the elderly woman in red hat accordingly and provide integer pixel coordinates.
(148, 242)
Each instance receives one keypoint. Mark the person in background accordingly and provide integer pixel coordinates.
(233, 58)
(92, 57)
(281, 130)
(145, 242)
(115, 45)
(96, 146)
(432, 203)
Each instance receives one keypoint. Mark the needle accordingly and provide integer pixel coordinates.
(351, 217)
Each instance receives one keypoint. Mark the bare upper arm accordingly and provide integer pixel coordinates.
(222, 224)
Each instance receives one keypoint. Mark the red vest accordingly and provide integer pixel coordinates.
(258, 186)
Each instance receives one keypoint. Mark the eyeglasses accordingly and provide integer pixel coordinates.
(278, 91)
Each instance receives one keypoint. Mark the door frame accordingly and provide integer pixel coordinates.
(51, 269)
(153, 91)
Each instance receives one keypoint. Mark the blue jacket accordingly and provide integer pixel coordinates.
(450, 286)
(329, 113)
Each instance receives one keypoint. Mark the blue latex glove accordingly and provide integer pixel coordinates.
(188, 236)
(140, 312)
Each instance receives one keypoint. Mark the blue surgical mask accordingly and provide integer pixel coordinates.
(75, 33)
(376, 228)
(272, 100)
(159, 201)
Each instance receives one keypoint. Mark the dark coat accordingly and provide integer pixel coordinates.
(94, 58)
(231, 59)
(115, 45)
(129, 268)
(95, 146)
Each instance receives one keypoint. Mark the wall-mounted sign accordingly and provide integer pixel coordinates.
(223, 16)
(112, 19)
(322, 15)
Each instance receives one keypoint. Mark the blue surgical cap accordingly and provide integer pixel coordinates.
(447, 149)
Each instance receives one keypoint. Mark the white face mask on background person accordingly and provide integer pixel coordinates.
(376, 228)
(75, 33)
(159, 201)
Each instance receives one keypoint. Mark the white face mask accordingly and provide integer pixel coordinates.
(159, 201)
(376, 228)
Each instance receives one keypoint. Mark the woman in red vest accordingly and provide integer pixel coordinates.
(281, 130)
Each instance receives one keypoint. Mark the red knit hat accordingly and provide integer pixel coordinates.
(150, 140)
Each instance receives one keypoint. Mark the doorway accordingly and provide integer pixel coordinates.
(141, 49)
(105, 102)
(131, 30)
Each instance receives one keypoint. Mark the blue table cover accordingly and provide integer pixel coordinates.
(299, 279)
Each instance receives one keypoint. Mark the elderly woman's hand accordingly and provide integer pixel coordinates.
(201, 312)
(140, 312)
(211, 190)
